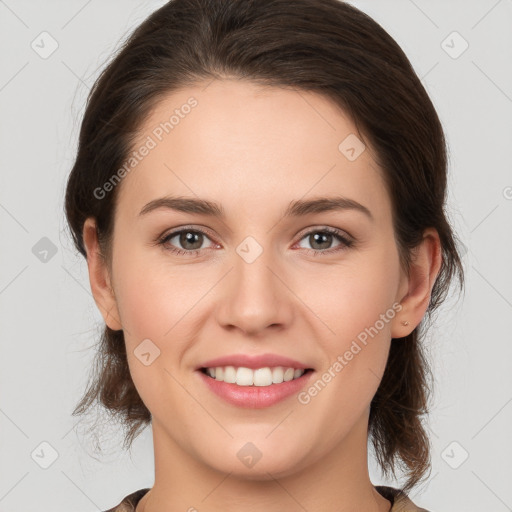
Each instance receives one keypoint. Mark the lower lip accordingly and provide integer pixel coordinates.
(255, 397)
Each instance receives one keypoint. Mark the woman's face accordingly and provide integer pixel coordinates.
(263, 279)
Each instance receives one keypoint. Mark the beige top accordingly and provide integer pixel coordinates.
(400, 501)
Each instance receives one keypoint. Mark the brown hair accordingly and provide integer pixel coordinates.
(323, 46)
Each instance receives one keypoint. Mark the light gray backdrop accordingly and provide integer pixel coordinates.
(51, 52)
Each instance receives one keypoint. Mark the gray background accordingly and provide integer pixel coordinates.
(49, 321)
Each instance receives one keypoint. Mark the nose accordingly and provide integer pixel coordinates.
(254, 296)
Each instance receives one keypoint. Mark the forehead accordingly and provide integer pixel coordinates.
(249, 146)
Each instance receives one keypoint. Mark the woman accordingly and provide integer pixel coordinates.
(259, 191)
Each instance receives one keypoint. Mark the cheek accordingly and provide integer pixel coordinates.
(357, 303)
(356, 357)
(159, 302)
(352, 297)
(155, 298)
(154, 304)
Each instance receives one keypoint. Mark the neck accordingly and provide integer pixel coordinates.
(336, 481)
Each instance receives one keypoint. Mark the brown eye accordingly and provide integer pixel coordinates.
(321, 240)
(188, 241)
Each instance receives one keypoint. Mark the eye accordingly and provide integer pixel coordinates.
(322, 239)
(190, 239)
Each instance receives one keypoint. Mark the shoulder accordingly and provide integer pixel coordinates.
(401, 502)
(129, 502)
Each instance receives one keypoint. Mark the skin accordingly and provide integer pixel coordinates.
(254, 150)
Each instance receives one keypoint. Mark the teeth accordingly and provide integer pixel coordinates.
(230, 374)
(288, 374)
(248, 377)
(277, 375)
(244, 377)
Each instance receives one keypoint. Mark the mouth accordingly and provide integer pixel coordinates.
(259, 377)
(254, 388)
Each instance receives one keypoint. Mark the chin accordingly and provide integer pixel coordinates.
(256, 460)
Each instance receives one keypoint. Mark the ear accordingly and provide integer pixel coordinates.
(416, 289)
(99, 277)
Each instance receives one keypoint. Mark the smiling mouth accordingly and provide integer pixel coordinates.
(260, 377)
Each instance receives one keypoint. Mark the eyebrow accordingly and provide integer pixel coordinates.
(296, 208)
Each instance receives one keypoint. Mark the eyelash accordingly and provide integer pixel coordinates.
(345, 242)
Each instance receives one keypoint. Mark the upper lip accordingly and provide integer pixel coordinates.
(254, 362)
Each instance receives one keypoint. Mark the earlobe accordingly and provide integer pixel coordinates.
(99, 277)
(425, 266)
